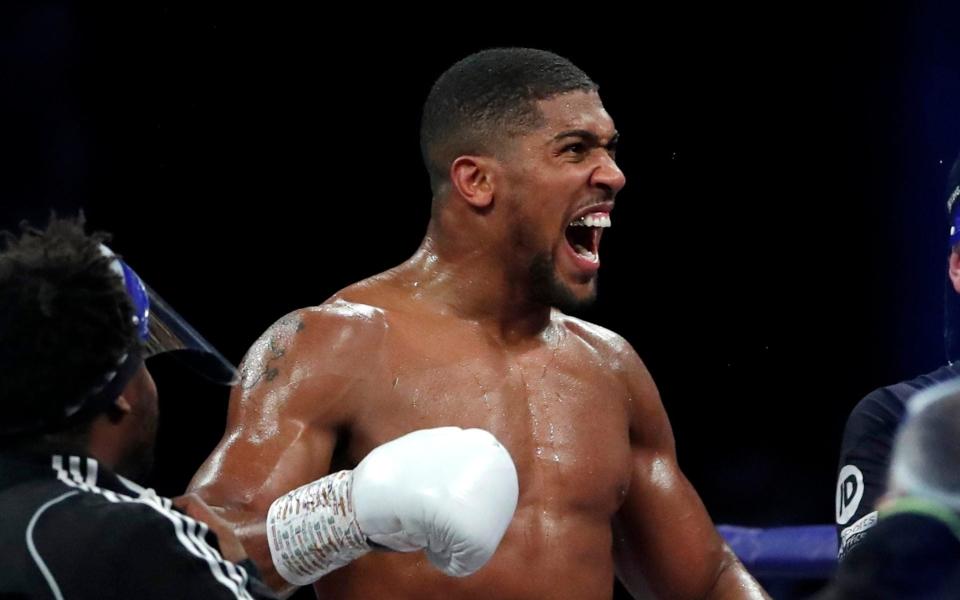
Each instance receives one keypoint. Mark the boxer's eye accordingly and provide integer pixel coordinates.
(612, 148)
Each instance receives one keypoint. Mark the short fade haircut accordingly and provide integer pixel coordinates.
(487, 97)
(65, 320)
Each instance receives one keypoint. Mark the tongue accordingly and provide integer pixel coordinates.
(584, 252)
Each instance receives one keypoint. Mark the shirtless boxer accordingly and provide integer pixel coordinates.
(469, 332)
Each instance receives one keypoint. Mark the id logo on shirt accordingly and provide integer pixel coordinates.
(849, 493)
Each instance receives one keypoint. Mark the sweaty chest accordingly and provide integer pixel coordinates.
(557, 408)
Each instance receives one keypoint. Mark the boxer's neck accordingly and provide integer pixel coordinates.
(475, 284)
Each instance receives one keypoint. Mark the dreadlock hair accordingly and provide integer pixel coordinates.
(65, 321)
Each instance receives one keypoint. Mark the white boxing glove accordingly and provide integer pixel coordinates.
(449, 491)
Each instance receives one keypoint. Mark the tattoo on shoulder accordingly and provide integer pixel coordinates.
(262, 361)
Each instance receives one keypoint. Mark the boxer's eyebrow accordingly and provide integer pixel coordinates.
(589, 138)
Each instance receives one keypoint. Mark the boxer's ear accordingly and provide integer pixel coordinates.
(473, 179)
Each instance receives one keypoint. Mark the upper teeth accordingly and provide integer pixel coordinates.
(592, 220)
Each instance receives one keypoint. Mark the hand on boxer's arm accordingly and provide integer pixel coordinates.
(449, 491)
(194, 506)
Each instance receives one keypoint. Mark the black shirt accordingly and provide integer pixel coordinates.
(71, 529)
(865, 453)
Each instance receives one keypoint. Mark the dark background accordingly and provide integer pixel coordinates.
(778, 251)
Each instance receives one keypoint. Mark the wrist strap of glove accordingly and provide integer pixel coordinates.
(313, 529)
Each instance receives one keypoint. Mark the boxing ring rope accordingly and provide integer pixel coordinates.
(802, 552)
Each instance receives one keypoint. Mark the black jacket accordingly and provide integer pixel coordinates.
(71, 529)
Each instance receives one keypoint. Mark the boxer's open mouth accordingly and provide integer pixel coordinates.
(583, 234)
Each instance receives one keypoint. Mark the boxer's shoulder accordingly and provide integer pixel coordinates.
(608, 346)
(334, 327)
(613, 356)
(312, 349)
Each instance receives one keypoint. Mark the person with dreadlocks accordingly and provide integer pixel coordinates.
(79, 420)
